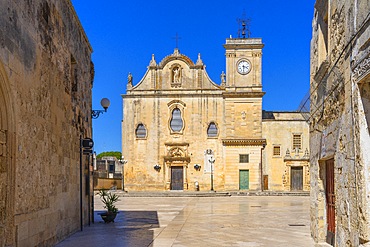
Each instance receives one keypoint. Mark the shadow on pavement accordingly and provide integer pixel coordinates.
(131, 228)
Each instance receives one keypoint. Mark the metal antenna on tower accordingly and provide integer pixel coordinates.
(244, 27)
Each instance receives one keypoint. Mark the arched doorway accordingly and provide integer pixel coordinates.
(6, 159)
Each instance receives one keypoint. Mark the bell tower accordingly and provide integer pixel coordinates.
(243, 108)
(244, 64)
(243, 87)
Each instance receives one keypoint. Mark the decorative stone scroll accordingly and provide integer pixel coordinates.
(362, 69)
(177, 152)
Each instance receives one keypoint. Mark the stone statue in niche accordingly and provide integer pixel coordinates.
(176, 76)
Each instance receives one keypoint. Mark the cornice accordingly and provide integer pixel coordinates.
(176, 144)
(176, 56)
(241, 43)
(178, 94)
(243, 94)
(244, 142)
(296, 159)
(171, 158)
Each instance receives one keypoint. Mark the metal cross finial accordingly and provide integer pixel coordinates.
(177, 40)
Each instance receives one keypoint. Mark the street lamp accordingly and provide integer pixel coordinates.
(123, 162)
(105, 103)
(212, 160)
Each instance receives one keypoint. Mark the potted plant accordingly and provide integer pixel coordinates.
(109, 199)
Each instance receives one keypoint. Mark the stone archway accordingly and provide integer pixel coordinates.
(6, 159)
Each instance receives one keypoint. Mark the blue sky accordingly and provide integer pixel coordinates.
(125, 34)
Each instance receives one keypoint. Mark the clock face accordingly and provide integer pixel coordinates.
(244, 67)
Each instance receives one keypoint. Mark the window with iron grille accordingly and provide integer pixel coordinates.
(243, 158)
(297, 141)
(276, 151)
(140, 131)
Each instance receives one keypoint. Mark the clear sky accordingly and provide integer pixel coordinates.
(124, 34)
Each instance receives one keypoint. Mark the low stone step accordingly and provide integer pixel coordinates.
(207, 193)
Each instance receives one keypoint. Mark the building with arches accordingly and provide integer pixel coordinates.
(182, 131)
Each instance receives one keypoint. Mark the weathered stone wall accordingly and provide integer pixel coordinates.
(47, 77)
(339, 128)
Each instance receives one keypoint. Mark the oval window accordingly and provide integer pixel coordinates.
(176, 123)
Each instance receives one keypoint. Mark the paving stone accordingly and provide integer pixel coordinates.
(201, 221)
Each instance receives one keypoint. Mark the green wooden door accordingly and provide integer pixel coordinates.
(243, 179)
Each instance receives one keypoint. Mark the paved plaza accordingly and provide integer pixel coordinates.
(201, 221)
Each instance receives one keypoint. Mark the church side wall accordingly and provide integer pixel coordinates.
(47, 61)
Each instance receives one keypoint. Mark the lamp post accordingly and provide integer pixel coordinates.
(86, 145)
(123, 162)
(212, 160)
(105, 103)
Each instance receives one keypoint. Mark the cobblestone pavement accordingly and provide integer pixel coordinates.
(201, 221)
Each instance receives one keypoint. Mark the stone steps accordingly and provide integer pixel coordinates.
(207, 193)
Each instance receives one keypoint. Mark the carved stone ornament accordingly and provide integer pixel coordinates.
(129, 81)
(153, 63)
(362, 69)
(223, 79)
(176, 152)
(244, 115)
(337, 34)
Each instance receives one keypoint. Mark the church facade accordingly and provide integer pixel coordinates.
(182, 131)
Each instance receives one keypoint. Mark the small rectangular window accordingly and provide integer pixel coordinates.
(111, 167)
(297, 141)
(276, 151)
(243, 158)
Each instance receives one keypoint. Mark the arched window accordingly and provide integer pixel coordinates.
(212, 130)
(140, 131)
(176, 123)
